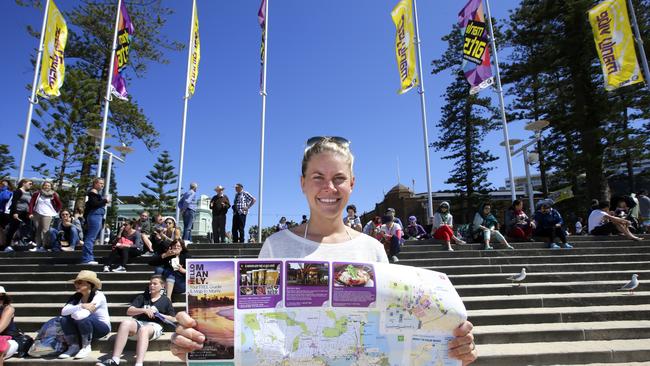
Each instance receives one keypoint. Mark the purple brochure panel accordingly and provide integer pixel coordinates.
(353, 285)
(211, 301)
(307, 283)
(259, 284)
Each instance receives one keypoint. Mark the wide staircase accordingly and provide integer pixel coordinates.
(566, 312)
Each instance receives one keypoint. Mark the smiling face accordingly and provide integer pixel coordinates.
(327, 183)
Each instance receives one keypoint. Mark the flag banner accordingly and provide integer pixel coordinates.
(477, 66)
(261, 18)
(124, 31)
(402, 16)
(53, 67)
(195, 52)
(615, 44)
(561, 194)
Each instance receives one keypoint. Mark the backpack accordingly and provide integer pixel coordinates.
(464, 232)
(50, 339)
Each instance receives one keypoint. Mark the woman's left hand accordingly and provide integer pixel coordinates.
(462, 347)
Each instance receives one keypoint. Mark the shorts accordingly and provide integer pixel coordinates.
(157, 329)
(605, 229)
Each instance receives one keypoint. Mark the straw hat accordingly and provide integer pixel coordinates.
(88, 276)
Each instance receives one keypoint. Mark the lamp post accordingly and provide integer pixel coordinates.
(537, 127)
(511, 144)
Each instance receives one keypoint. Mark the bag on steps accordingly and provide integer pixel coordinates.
(50, 340)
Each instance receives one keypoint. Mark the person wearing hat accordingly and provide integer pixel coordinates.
(391, 212)
(415, 230)
(243, 202)
(219, 204)
(84, 317)
(7, 325)
(548, 223)
(443, 226)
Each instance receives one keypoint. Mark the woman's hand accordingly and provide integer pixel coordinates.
(89, 306)
(186, 338)
(462, 347)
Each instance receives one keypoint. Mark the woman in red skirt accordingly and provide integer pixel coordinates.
(443, 226)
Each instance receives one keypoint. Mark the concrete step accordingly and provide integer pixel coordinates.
(624, 351)
(508, 269)
(52, 310)
(58, 298)
(554, 257)
(544, 288)
(555, 300)
(66, 275)
(533, 277)
(105, 344)
(34, 323)
(559, 314)
(152, 358)
(562, 332)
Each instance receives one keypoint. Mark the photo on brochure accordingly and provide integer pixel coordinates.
(211, 302)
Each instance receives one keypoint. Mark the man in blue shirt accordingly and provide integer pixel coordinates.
(187, 205)
(243, 201)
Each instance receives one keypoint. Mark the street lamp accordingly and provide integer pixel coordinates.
(537, 127)
(123, 150)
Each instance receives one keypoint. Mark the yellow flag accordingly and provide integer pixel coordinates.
(195, 53)
(614, 43)
(53, 68)
(402, 16)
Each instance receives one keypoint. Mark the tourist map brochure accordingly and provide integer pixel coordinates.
(266, 312)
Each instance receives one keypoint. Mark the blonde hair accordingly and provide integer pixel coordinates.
(327, 144)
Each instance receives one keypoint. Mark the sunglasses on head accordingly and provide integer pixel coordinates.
(336, 139)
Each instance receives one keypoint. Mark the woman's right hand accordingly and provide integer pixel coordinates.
(186, 338)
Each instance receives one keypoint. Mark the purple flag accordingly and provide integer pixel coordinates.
(261, 18)
(476, 51)
(124, 31)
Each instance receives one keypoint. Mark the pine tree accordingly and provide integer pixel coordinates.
(157, 196)
(466, 120)
(6, 161)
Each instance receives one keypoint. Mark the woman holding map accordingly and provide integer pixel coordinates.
(327, 181)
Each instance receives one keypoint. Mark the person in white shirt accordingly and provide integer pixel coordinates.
(84, 316)
(327, 181)
(602, 223)
(391, 236)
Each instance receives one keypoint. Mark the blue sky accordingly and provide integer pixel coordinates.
(331, 71)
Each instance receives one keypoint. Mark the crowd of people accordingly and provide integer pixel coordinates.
(327, 180)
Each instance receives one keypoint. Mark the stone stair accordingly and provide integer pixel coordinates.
(567, 311)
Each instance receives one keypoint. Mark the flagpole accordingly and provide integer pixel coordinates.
(185, 99)
(107, 99)
(639, 42)
(506, 138)
(423, 109)
(263, 94)
(32, 98)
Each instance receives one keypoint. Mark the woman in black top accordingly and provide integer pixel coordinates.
(173, 263)
(94, 211)
(19, 210)
(129, 244)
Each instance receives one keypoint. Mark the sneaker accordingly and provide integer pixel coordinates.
(554, 246)
(394, 259)
(508, 246)
(460, 242)
(147, 254)
(450, 249)
(70, 352)
(8, 250)
(83, 353)
(488, 247)
(568, 246)
(107, 269)
(38, 249)
(119, 269)
(107, 362)
(90, 262)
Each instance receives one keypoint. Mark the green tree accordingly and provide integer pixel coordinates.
(87, 62)
(6, 161)
(554, 58)
(466, 120)
(157, 195)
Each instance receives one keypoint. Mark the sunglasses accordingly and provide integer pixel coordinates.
(336, 139)
(169, 222)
